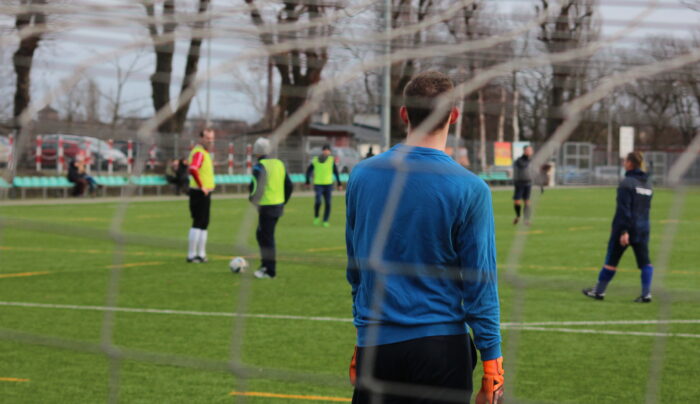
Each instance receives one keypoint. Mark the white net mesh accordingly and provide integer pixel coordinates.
(324, 56)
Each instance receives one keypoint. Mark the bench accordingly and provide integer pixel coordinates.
(495, 178)
(46, 183)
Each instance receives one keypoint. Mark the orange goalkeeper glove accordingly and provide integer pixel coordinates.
(492, 382)
(353, 367)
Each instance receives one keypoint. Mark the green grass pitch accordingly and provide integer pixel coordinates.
(66, 254)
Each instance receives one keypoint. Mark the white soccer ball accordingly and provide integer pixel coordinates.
(238, 264)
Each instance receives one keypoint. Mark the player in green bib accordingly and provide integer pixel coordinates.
(201, 169)
(323, 169)
(270, 190)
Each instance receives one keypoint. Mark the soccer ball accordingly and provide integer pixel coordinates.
(238, 264)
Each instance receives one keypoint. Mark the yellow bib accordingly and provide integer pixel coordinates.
(206, 171)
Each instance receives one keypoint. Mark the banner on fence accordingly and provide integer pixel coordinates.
(502, 154)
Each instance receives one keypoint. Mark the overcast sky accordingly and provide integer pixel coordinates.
(57, 58)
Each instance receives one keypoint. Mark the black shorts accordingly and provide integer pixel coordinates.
(522, 191)
(616, 250)
(200, 205)
(443, 365)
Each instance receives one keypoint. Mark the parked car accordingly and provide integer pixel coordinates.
(49, 151)
(73, 144)
(138, 147)
(346, 158)
(4, 150)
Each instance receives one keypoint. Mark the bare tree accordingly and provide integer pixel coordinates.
(572, 27)
(32, 17)
(661, 102)
(161, 29)
(405, 12)
(115, 98)
(298, 69)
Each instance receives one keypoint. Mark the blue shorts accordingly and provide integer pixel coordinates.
(522, 191)
(615, 251)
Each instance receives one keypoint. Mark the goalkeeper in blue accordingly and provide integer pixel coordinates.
(630, 227)
(422, 267)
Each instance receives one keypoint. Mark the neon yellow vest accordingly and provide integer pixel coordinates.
(206, 171)
(323, 172)
(273, 194)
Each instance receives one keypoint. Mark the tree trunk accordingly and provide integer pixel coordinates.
(24, 57)
(502, 116)
(482, 132)
(191, 68)
(162, 76)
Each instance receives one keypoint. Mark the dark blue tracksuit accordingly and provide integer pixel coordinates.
(632, 216)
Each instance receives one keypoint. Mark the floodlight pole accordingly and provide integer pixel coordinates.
(210, 39)
(386, 82)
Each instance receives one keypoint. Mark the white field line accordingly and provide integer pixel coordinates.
(175, 312)
(606, 332)
(602, 322)
(532, 326)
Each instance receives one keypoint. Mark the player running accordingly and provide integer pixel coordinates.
(270, 190)
(437, 274)
(522, 180)
(201, 169)
(630, 227)
(323, 169)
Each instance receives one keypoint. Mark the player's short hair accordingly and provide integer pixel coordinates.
(421, 94)
(201, 133)
(636, 158)
(326, 147)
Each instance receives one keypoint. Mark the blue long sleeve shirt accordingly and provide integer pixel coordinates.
(421, 250)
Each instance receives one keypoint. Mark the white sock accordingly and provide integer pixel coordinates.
(192, 245)
(202, 244)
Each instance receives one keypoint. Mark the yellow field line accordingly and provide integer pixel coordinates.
(580, 228)
(94, 251)
(531, 232)
(13, 379)
(136, 264)
(290, 396)
(22, 274)
(325, 249)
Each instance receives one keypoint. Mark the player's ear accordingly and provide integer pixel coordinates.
(403, 112)
(454, 115)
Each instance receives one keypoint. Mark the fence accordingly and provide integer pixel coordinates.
(575, 163)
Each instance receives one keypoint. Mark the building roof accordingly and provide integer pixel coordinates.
(361, 133)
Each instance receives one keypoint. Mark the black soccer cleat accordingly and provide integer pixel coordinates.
(643, 299)
(202, 260)
(590, 292)
(193, 260)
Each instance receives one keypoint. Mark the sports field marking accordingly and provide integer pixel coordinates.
(300, 259)
(13, 379)
(531, 232)
(567, 268)
(602, 322)
(580, 228)
(607, 332)
(175, 312)
(326, 249)
(290, 396)
(23, 274)
(328, 319)
(136, 264)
